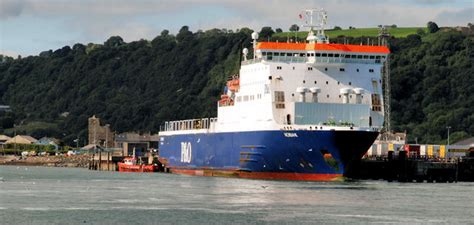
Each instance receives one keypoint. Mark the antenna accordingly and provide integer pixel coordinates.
(254, 37)
(383, 36)
(315, 19)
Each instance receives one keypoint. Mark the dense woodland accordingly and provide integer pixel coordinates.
(136, 86)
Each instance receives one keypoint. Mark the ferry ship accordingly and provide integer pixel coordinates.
(295, 111)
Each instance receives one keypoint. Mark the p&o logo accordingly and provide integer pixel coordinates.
(186, 152)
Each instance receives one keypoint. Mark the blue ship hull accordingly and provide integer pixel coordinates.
(294, 155)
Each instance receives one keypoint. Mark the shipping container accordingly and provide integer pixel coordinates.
(430, 151)
(442, 151)
(423, 150)
(413, 151)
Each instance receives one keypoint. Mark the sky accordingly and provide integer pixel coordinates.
(28, 27)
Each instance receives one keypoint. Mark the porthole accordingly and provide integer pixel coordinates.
(304, 81)
(350, 83)
(327, 82)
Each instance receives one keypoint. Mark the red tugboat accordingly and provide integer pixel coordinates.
(130, 164)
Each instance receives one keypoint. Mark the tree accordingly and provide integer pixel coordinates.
(266, 32)
(294, 28)
(114, 41)
(420, 32)
(393, 26)
(278, 30)
(337, 28)
(184, 34)
(165, 33)
(432, 27)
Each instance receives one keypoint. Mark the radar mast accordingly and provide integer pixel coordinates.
(316, 20)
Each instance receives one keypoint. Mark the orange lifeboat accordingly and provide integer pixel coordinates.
(233, 85)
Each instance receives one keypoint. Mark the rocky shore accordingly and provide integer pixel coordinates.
(81, 161)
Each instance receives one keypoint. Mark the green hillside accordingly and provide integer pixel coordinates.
(136, 86)
(399, 32)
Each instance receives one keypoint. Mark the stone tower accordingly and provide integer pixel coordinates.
(100, 135)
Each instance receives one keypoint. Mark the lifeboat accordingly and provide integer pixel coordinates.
(233, 85)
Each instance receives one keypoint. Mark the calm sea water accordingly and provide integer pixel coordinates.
(39, 195)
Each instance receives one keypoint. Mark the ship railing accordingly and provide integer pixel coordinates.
(298, 59)
(191, 124)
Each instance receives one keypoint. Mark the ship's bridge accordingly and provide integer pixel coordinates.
(319, 53)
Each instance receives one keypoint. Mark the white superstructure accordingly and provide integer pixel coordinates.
(293, 86)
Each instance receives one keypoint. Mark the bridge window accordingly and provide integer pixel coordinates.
(366, 56)
(264, 53)
(246, 98)
(354, 56)
(324, 55)
(372, 57)
(279, 96)
(330, 55)
(318, 54)
(359, 56)
(288, 54)
(302, 54)
(336, 55)
(347, 56)
(280, 105)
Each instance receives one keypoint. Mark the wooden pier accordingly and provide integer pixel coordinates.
(104, 161)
